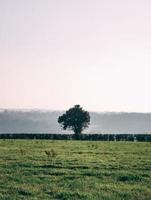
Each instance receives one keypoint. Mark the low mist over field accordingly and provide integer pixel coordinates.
(39, 121)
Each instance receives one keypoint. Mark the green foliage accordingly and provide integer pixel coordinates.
(81, 170)
(75, 119)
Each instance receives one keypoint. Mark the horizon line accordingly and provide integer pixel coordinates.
(63, 110)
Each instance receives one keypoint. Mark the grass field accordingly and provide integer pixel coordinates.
(40, 169)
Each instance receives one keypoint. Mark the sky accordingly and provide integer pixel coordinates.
(58, 53)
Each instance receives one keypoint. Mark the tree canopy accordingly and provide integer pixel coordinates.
(75, 119)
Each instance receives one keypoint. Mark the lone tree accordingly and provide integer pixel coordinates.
(75, 119)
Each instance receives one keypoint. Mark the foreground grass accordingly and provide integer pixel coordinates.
(80, 170)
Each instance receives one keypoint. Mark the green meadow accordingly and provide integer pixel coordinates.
(48, 169)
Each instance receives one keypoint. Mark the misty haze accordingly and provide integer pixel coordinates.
(31, 121)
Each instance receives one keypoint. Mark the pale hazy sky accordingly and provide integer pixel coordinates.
(57, 53)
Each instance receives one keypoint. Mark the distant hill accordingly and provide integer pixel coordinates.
(39, 121)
